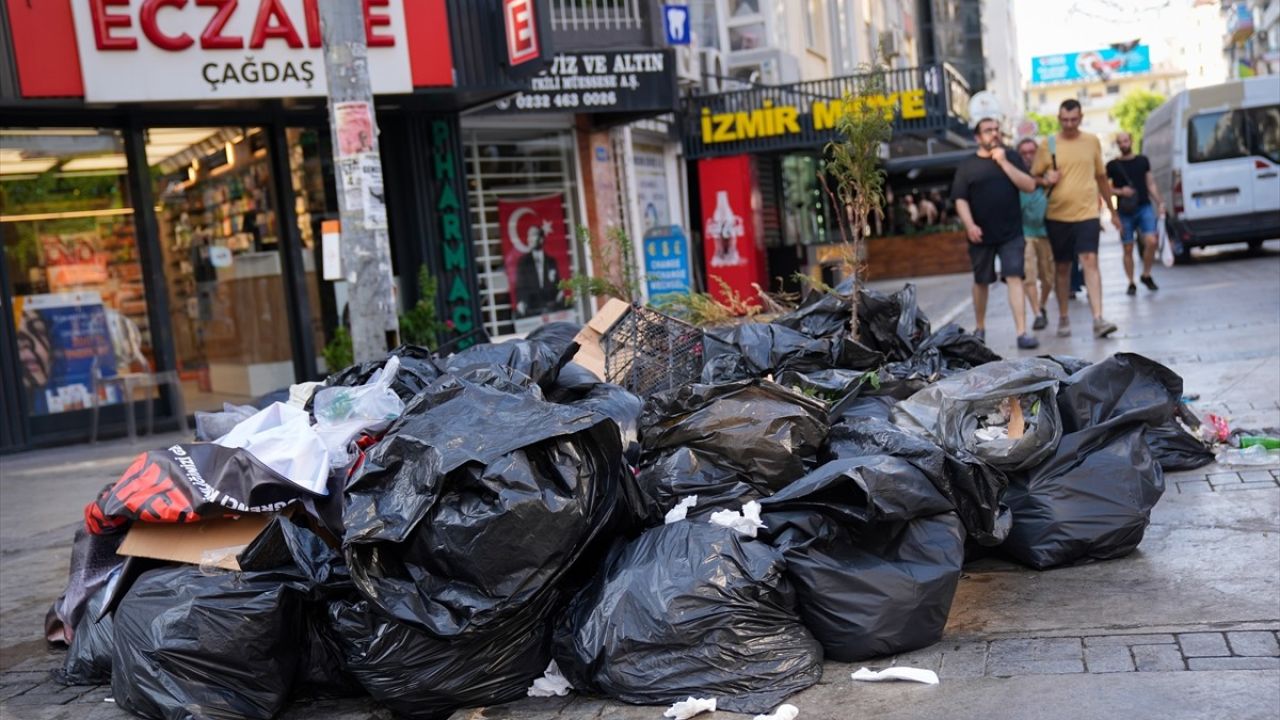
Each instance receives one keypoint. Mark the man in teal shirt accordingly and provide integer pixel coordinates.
(1038, 264)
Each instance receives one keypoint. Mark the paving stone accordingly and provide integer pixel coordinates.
(39, 695)
(9, 690)
(1257, 476)
(1037, 656)
(1203, 645)
(1194, 486)
(1157, 658)
(95, 695)
(1096, 640)
(1223, 478)
(1253, 644)
(1232, 663)
(1247, 486)
(961, 661)
(1108, 659)
(930, 659)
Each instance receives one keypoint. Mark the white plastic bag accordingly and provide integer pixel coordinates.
(342, 413)
(1165, 244)
(280, 436)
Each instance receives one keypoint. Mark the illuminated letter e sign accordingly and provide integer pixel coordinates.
(522, 31)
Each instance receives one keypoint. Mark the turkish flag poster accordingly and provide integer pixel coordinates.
(730, 224)
(535, 252)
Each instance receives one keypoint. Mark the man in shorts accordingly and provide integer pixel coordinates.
(985, 191)
(1037, 280)
(1069, 164)
(1135, 190)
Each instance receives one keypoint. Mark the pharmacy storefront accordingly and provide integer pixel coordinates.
(167, 186)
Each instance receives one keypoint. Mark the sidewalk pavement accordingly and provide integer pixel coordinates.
(1185, 627)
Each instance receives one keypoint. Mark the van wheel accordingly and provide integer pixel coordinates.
(1255, 246)
(1181, 254)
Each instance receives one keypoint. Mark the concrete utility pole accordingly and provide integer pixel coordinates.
(366, 254)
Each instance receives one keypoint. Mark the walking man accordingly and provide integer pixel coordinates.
(985, 192)
(1070, 166)
(1038, 277)
(1135, 190)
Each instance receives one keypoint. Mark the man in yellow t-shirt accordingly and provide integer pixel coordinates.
(1070, 166)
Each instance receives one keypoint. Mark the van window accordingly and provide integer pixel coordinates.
(1216, 136)
(1265, 122)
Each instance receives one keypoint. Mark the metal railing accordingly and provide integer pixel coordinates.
(590, 15)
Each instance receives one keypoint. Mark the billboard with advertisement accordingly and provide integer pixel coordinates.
(1101, 64)
(730, 226)
(59, 338)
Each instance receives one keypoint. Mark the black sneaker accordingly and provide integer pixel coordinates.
(1028, 342)
(1133, 290)
(1151, 284)
(981, 334)
(1042, 320)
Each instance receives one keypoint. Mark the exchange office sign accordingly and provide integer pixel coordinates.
(156, 50)
(589, 82)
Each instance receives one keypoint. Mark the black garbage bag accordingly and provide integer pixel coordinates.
(1131, 386)
(666, 478)
(821, 315)
(755, 427)
(768, 347)
(832, 385)
(417, 371)
(873, 551)
(689, 609)
(419, 676)
(187, 483)
(615, 402)
(476, 502)
(88, 660)
(93, 562)
(1070, 364)
(727, 368)
(891, 324)
(972, 486)
(954, 411)
(957, 349)
(535, 359)
(190, 644)
(1091, 501)
(875, 406)
(559, 336)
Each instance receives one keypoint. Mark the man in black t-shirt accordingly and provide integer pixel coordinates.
(986, 194)
(1135, 191)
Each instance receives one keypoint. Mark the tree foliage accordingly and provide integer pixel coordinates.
(1132, 111)
(1045, 124)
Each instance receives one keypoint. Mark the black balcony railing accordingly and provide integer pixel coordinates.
(925, 100)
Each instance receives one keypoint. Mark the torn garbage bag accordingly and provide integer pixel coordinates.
(93, 562)
(951, 411)
(755, 427)
(188, 483)
(88, 660)
(476, 502)
(188, 644)
(415, 372)
(689, 609)
(873, 551)
(890, 324)
(974, 487)
(665, 479)
(419, 676)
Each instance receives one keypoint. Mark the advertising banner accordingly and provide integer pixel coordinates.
(59, 336)
(606, 81)
(729, 224)
(535, 252)
(666, 262)
(73, 259)
(1092, 65)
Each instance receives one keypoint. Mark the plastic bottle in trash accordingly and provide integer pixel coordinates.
(1269, 443)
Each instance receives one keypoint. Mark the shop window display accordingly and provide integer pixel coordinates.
(71, 255)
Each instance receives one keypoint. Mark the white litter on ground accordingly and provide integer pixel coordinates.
(784, 712)
(689, 707)
(746, 522)
(681, 511)
(551, 684)
(909, 674)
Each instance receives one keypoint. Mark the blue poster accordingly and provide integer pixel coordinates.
(1092, 65)
(666, 261)
(59, 336)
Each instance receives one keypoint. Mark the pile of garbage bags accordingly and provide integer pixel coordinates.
(438, 532)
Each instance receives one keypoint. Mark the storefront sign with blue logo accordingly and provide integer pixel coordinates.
(1092, 65)
(666, 261)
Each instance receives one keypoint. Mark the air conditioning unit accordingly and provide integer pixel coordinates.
(688, 65)
(888, 44)
(773, 68)
(713, 69)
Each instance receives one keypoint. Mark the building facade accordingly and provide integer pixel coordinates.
(1251, 45)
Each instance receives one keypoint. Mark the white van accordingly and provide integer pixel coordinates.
(1215, 154)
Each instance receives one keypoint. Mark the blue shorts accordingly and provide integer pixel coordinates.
(1144, 221)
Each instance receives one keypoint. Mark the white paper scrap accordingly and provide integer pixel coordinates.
(681, 511)
(910, 674)
(552, 683)
(784, 712)
(746, 522)
(689, 707)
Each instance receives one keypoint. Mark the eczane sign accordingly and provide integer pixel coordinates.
(159, 50)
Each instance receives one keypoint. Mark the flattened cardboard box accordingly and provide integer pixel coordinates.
(209, 542)
(590, 354)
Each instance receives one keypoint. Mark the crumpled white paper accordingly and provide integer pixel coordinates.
(551, 684)
(746, 522)
(784, 712)
(910, 674)
(681, 511)
(689, 707)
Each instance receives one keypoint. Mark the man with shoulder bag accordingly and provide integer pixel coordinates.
(1134, 188)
